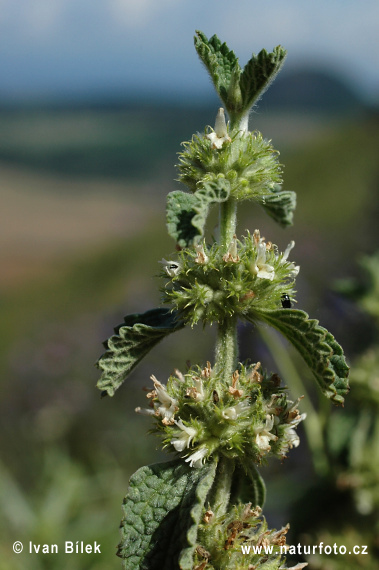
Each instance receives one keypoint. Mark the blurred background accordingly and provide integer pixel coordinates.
(95, 99)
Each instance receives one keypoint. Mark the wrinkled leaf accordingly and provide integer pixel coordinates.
(162, 511)
(280, 205)
(317, 346)
(258, 74)
(133, 340)
(187, 213)
(222, 65)
(238, 89)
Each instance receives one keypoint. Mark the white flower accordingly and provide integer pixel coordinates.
(172, 268)
(197, 391)
(233, 412)
(294, 269)
(184, 439)
(263, 435)
(231, 256)
(220, 133)
(196, 459)
(168, 405)
(145, 411)
(201, 257)
(290, 438)
(261, 269)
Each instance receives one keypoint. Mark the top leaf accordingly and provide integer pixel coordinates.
(222, 65)
(238, 89)
(259, 73)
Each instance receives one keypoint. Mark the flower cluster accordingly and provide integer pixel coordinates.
(246, 160)
(209, 286)
(222, 539)
(198, 414)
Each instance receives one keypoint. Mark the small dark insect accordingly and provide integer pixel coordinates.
(286, 301)
(216, 397)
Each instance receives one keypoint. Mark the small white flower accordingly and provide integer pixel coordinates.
(196, 459)
(145, 411)
(231, 255)
(168, 405)
(197, 392)
(184, 439)
(220, 133)
(294, 269)
(262, 269)
(233, 412)
(172, 268)
(201, 257)
(263, 435)
(290, 437)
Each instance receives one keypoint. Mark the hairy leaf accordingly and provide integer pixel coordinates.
(187, 213)
(238, 89)
(280, 205)
(162, 511)
(317, 346)
(259, 73)
(133, 340)
(222, 65)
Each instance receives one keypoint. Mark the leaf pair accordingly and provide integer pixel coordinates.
(187, 213)
(238, 89)
(140, 333)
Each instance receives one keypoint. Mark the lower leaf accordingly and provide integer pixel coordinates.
(162, 511)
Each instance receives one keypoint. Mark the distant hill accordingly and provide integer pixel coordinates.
(312, 90)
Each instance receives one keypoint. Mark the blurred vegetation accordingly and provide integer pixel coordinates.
(66, 454)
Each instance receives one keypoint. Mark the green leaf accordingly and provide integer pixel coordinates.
(162, 511)
(187, 213)
(133, 340)
(280, 205)
(317, 346)
(247, 484)
(222, 65)
(258, 74)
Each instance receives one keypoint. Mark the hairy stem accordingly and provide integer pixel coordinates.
(226, 344)
(220, 493)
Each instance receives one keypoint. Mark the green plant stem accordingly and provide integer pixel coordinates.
(220, 493)
(228, 223)
(312, 425)
(226, 351)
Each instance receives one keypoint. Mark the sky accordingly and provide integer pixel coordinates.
(88, 48)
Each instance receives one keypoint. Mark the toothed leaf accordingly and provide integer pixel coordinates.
(187, 213)
(133, 340)
(317, 346)
(162, 511)
(280, 205)
(259, 73)
(222, 65)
